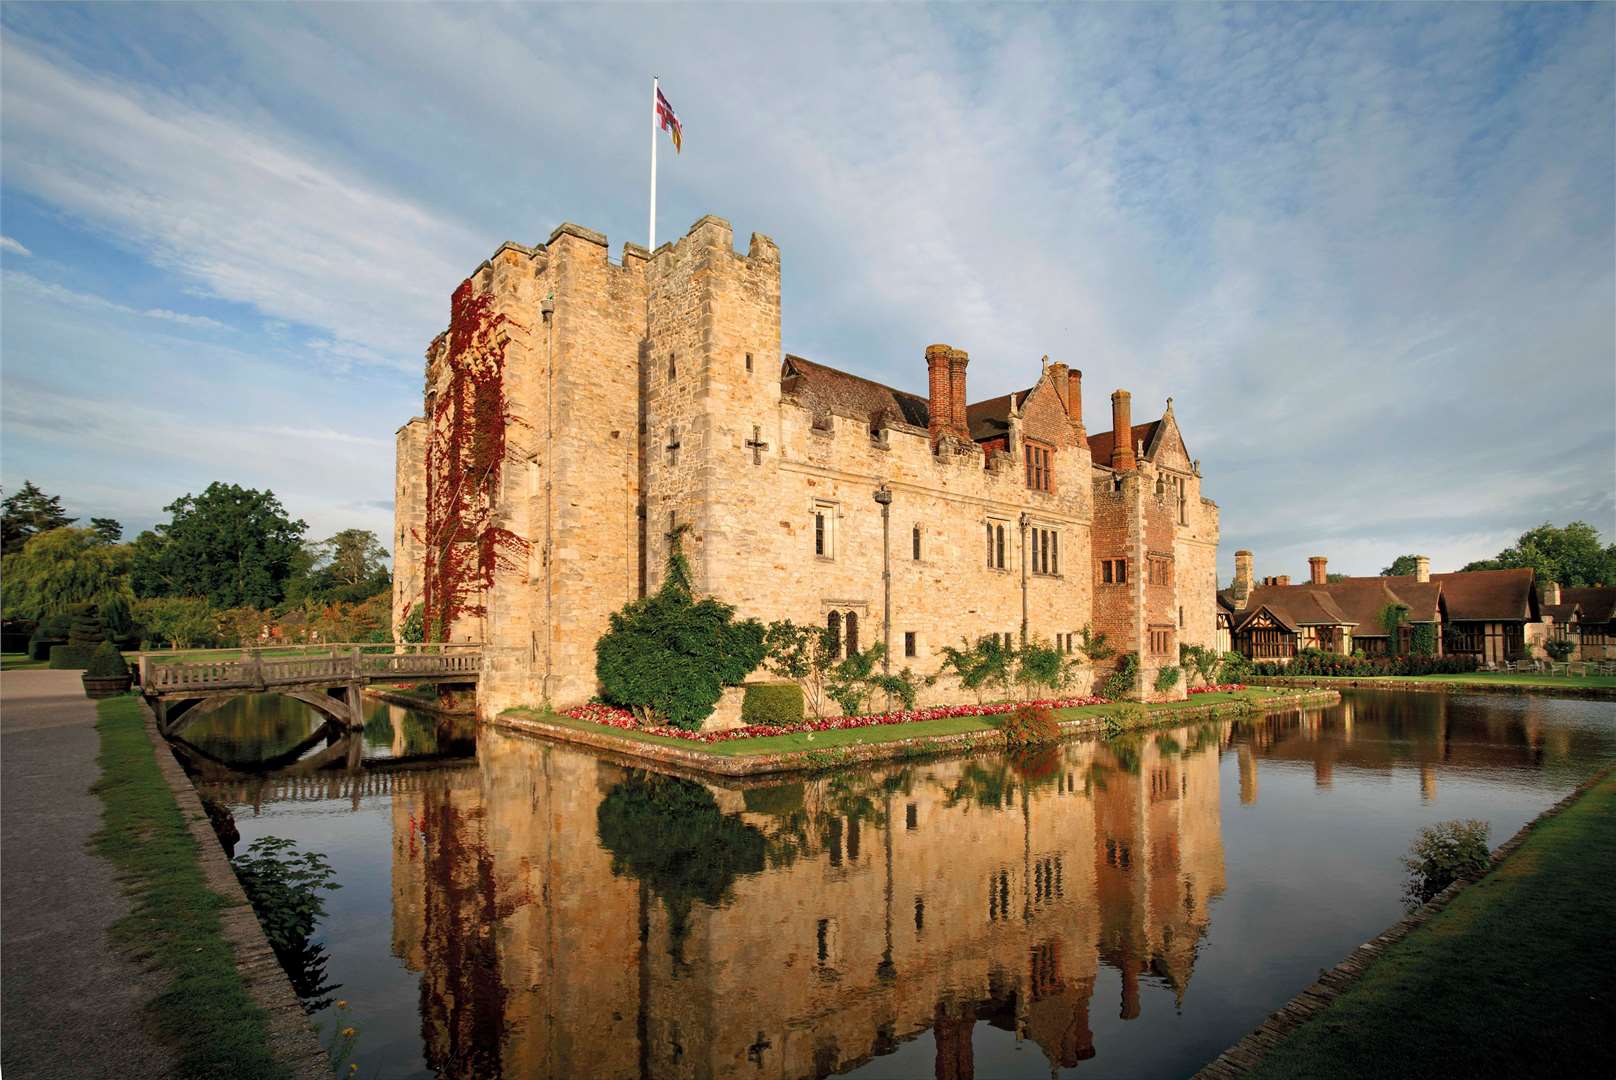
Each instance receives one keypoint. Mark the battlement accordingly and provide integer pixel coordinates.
(712, 233)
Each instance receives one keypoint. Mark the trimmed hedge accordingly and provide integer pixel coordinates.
(772, 703)
(39, 648)
(69, 658)
(1315, 662)
(107, 662)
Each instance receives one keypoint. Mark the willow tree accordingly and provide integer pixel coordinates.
(62, 569)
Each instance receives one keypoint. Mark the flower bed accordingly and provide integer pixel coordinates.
(612, 716)
(1217, 688)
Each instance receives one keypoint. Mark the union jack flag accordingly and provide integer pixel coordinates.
(669, 120)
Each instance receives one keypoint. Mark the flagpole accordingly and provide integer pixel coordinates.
(650, 241)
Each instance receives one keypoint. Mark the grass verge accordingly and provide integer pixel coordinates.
(204, 1011)
(879, 733)
(21, 661)
(1515, 977)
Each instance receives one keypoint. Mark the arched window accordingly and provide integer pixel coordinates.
(833, 623)
(916, 538)
(852, 633)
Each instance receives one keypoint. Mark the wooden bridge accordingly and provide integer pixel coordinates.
(329, 678)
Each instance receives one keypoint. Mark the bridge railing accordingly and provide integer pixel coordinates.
(220, 669)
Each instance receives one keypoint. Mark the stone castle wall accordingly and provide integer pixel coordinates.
(409, 519)
(650, 398)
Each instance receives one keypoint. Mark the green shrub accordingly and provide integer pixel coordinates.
(39, 646)
(1167, 678)
(1125, 716)
(69, 658)
(106, 662)
(1234, 668)
(1559, 649)
(772, 703)
(1120, 683)
(1422, 639)
(669, 656)
(414, 628)
(1443, 853)
(1028, 726)
(284, 885)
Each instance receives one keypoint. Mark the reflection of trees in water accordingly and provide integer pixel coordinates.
(254, 727)
(671, 835)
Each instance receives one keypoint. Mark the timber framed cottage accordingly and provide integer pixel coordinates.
(579, 412)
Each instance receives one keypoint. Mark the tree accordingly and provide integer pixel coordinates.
(1402, 566)
(803, 654)
(27, 512)
(669, 656)
(1571, 556)
(110, 530)
(62, 568)
(233, 545)
(350, 566)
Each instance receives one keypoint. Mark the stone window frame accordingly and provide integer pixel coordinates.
(1160, 636)
(1159, 569)
(673, 367)
(749, 363)
(1044, 551)
(911, 643)
(915, 550)
(825, 512)
(1039, 459)
(998, 549)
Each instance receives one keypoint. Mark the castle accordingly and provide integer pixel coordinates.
(579, 414)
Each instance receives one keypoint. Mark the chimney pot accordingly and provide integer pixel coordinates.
(1316, 565)
(1122, 456)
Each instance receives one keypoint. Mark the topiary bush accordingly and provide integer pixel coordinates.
(667, 657)
(772, 703)
(69, 658)
(1028, 726)
(1559, 649)
(107, 663)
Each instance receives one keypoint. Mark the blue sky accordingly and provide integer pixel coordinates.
(1370, 251)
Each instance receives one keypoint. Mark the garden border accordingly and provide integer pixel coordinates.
(1429, 686)
(707, 765)
(292, 1039)
(1251, 1050)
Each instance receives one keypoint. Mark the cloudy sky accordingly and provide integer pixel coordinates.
(1369, 251)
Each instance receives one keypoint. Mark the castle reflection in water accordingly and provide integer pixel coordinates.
(795, 930)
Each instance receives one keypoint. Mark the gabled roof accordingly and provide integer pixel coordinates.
(1563, 613)
(1598, 603)
(1362, 599)
(1489, 595)
(991, 418)
(1100, 445)
(825, 388)
(1294, 605)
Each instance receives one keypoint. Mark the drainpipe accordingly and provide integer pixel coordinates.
(883, 496)
(1024, 578)
(547, 312)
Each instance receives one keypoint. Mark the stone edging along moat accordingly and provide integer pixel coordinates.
(1250, 1051)
(1433, 686)
(742, 765)
(292, 1039)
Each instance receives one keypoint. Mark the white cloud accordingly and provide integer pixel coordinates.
(13, 246)
(35, 289)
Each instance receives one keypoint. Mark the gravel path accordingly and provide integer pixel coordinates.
(70, 1006)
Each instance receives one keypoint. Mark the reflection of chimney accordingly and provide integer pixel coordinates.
(1122, 458)
(1130, 987)
(1422, 568)
(1428, 782)
(955, 1060)
(937, 381)
(957, 359)
(1323, 772)
(1242, 577)
(1248, 776)
(1316, 565)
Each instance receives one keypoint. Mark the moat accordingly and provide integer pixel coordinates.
(511, 907)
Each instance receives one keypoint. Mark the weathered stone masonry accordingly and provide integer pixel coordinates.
(652, 394)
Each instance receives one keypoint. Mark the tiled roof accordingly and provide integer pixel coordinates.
(1294, 605)
(825, 388)
(1100, 445)
(991, 418)
(1598, 602)
(1561, 613)
(1355, 602)
(1489, 595)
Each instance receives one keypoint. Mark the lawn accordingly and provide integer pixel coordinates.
(20, 661)
(869, 736)
(1495, 678)
(204, 1011)
(1515, 977)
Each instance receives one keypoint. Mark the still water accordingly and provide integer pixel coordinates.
(1122, 908)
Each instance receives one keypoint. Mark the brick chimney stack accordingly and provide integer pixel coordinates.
(1422, 568)
(1074, 396)
(957, 359)
(1242, 576)
(1283, 579)
(938, 383)
(1316, 564)
(1550, 591)
(1122, 457)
